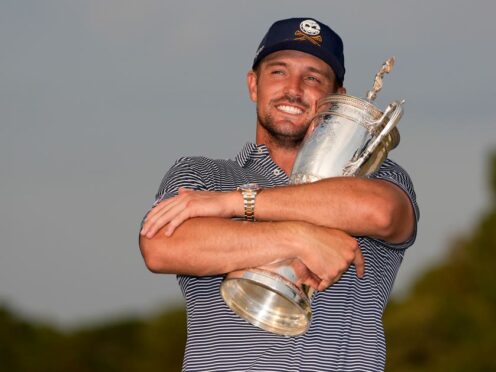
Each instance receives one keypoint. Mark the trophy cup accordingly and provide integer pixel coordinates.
(350, 137)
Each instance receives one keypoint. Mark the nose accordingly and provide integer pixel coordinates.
(294, 86)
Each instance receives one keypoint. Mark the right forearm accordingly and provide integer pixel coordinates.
(210, 246)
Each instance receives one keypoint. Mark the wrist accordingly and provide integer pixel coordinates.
(236, 204)
(249, 193)
(292, 236)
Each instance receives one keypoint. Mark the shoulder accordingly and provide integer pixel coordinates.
(186, 172)
(393, 172)
(389, 167)
(203, 166)
(195, 172)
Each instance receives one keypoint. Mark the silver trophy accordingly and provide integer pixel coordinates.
(349, 136)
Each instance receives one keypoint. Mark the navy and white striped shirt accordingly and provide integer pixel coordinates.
(346, 332)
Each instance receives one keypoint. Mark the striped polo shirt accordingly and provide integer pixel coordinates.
(346, 332)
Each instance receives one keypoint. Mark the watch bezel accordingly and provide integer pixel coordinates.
(249, 187)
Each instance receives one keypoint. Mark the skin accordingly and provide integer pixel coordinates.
(313, 224)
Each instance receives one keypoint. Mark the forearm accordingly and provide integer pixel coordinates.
(359, 206)
(210, 246)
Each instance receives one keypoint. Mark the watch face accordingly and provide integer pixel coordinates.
(249, 187)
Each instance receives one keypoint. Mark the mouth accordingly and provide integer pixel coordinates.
(292, 110)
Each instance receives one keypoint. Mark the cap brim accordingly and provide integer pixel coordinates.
(305, 47)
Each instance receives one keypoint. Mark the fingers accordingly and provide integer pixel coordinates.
(160, 215)
(173, 211)
(186, 204)
(304, 275)
(359, 263)
(338, 261)
(175, 222)
(323, 285)
(326, 283)
(312, 281)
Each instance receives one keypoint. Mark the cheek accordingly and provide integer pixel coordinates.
(317, 96)
(265, 97)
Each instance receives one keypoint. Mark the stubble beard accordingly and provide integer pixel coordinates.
(281, 137)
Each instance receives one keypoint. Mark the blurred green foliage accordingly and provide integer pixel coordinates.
(448, 320)
(446, 323)
(156, 344)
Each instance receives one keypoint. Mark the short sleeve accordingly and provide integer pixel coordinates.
(392, 172)
(181, 174)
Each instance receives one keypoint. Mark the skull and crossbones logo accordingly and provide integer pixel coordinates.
(309, 31)
(310, 27)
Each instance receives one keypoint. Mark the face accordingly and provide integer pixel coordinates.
(286, 88)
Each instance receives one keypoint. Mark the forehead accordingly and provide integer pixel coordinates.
(300, 59)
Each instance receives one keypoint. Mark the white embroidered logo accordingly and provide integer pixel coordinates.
(310, 27)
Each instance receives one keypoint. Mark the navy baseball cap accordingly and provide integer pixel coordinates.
(306, 35)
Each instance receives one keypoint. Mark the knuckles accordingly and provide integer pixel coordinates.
(352, 249)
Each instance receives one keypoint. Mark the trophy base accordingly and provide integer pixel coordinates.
(268, 301)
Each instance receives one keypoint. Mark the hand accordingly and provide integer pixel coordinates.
(328, 253)
(295, 271)
(304, 275)
(188, 204)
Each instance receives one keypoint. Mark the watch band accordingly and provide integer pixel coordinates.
(249, 192)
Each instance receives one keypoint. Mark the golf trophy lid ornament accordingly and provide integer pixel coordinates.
(348, 136)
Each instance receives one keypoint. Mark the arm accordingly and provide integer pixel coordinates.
(359, 206)
(210, 246)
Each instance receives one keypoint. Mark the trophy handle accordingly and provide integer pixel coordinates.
(394, 111)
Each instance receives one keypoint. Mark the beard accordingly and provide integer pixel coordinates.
(285, 136)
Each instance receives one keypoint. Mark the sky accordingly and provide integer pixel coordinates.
(99, 97)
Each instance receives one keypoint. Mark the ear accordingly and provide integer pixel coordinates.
(341, 90)
(251, 81)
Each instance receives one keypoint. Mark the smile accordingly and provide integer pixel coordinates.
(290, 109)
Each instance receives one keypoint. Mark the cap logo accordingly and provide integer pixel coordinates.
(309, 31)
(310, 27)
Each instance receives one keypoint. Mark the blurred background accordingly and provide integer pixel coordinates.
(99, 97)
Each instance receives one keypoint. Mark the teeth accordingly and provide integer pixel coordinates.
(290, 109)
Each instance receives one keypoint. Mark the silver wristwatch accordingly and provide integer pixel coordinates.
(249, 192)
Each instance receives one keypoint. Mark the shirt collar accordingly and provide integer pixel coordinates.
(251, 151)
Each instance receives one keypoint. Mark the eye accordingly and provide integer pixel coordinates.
(313, 79)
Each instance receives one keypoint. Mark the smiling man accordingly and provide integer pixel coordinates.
(347, 234)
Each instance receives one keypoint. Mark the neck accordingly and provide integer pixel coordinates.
(283, 156)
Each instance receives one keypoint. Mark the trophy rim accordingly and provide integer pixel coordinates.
(277, 286)
(362, 104)
(357, 102)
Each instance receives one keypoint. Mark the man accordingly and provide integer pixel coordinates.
(348, 233)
